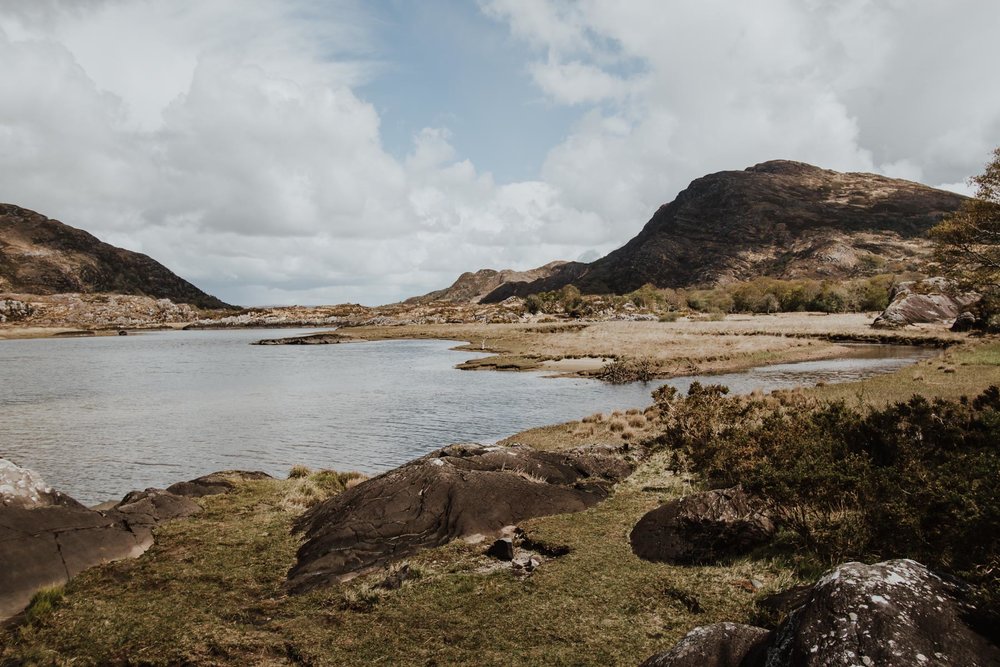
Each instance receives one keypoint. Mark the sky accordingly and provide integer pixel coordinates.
(330, 151)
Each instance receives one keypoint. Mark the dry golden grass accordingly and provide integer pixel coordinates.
(674, 348)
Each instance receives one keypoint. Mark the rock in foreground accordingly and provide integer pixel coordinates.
(717, 645)
(46, 537)
(892, 614)
(460, 491)
(702, 528)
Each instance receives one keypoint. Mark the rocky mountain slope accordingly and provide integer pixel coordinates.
(781, 219)
(471, 287)
(43, 256)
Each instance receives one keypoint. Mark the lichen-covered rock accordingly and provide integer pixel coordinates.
(460, 491)
(892, 614)
(702, 528)
(25, 488)
(717, 645)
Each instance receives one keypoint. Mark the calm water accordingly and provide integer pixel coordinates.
(100, 416)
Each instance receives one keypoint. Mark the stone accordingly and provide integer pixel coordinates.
(702, 528)
(891, 614)
(45, 546)
(214, 483)
(965, 321)
(451, 493)
(716, 645)
(502, 549)
(936, 302)
(46, 537)
(25, 488)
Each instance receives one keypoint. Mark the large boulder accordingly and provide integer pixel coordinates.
(929, 301)
(702, 528)
(716, 645)
(892, 614)
(461, 491)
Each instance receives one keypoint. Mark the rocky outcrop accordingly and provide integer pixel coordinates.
(717, 645)
(780, 219)
(925, 302)
(461, 491)
(472, 287)
(892, 614)
(12, 310)
(702, 528)
(46, 537)
(43, 256)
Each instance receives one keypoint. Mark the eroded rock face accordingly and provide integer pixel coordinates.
(702, 528)
(892, 614)
(455, 492)
(717, 645)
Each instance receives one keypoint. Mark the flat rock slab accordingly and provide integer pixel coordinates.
(702, 528)
(455, 492)
(45, 546)
(46, 537)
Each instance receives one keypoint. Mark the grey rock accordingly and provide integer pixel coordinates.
(938, 302)
(965, 321)
(502, 549)
(717, 645)
(702, 528)
(892, 614)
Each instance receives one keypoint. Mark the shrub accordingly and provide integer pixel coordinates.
(624, 370)
(918, 479)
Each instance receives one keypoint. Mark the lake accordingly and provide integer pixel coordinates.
(99, 416)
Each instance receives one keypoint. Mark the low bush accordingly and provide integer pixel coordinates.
(918, 479)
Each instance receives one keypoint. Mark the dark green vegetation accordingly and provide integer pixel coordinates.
(917, 479)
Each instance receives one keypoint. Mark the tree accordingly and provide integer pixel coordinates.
(968, 241)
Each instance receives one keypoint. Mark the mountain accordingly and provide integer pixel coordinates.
(471, 287)
(43, 256)
(781, 219)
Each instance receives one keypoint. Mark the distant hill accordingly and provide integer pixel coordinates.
(43, 256)
(471, 287)
(780, 219)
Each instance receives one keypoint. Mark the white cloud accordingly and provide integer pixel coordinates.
(228, 139)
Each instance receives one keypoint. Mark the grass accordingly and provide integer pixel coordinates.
(670, 348)
(211, 591)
